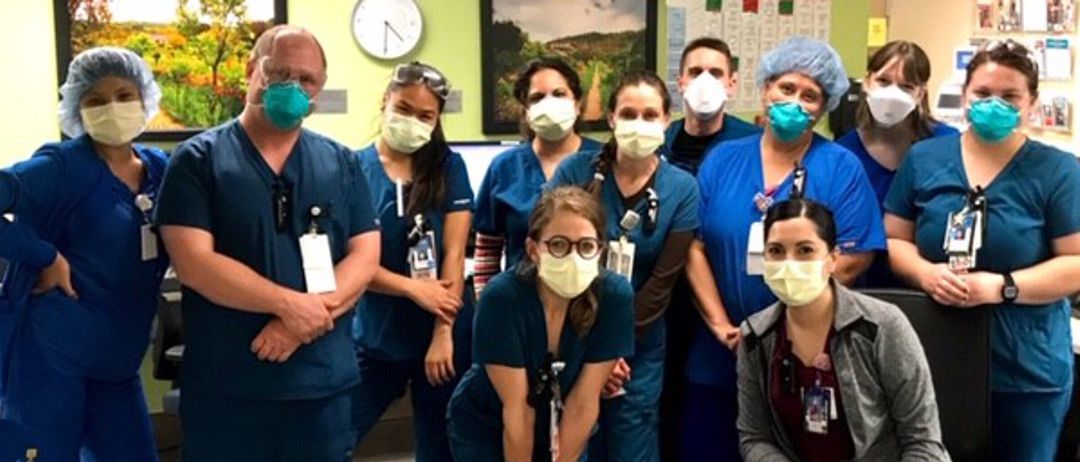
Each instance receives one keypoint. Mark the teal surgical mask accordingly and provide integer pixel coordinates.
(993, 119)
(285, 104)
(788, 120)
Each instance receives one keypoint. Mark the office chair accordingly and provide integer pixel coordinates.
(957, 346)
(842, 119)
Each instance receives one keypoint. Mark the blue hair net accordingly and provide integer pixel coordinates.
(91, 66)
(813, 58)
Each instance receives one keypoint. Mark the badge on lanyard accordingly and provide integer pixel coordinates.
(315, 253)
(556, 407)
(964, 232)
(819, 406)
(422, 259)
(755, 242)
(147, 239)
(620, 257)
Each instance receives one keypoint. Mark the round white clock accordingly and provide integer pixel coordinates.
(387, 29)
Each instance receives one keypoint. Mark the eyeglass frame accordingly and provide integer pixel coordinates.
(574, 246)
(429, 76)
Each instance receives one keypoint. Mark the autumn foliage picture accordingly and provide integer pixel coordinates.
(197, 50)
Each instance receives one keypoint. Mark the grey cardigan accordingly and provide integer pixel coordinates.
(885, 384)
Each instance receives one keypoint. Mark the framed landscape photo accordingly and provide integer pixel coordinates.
(600, 39)
(197, 49)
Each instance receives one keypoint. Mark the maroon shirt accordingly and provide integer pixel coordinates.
(787, 399)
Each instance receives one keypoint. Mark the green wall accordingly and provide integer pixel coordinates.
(451, 42)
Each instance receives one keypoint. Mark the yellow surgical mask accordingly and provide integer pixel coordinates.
(795, 282)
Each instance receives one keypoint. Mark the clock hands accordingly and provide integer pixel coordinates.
(391, 28)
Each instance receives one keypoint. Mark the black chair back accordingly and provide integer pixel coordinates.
(957, 346)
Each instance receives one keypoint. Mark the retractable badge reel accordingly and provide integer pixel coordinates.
(755, 244)
(315, 253)
(620, 257)
(546, 391)
(964, 232)
(147, 238)
(423, 261)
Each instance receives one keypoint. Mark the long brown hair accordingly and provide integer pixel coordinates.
(428, 162)
(572, 200)
(916, 70)
(606, 160)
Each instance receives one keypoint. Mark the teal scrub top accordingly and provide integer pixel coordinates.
(508, 195)
(393, 328)
(1034, 200)
(510, 330)
(678, 197)
(219, 182)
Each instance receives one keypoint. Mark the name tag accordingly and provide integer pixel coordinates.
(620, 258)
(963, 239)
(318, 266)
(755, 250)
(148, 241)
(423, 262)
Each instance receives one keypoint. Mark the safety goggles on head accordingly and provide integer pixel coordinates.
(1013, 47)
(407, 74)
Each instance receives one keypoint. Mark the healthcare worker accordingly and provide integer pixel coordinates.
(652, 209)
(801, 80)
(550, 93)
(274, 239)
(893, 114)
(548, 333)
(988, 220)
(828, 374)
(405, 325)
(707, 80)
(81, 291)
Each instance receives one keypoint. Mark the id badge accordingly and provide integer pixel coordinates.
(962, 239)
(816, 409)
(620, 258)
(318, 266)
(755, 250)
(148, 242)
(423, 264)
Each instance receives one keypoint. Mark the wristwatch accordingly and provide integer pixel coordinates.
(1009, 291)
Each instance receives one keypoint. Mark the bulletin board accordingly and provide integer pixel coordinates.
(750, 27)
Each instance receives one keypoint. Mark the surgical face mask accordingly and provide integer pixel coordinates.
(794, 282)
(114, 124)
(552, 118)
(285, 104)
(705, 96)
(637, 138)
(889, 105)
(993, 119)
(788, 120)
(568, 276)
(405, 134)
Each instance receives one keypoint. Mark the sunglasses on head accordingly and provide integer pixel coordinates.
(1013, 47)
(414, 72)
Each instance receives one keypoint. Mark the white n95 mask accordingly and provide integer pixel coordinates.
(405, 134)
(568, 276)
(794, 282)
(637, 138)
(114, 124)
(889, 105)
(552, 118)
(705, 96)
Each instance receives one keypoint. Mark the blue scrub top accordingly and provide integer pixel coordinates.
(1034, 200)
(508, 195)
(880, 274)
(510, 330)
(393, 328)
(729, 179)
(732, 129)
(677, 212)
(218, 182)
(65, 199)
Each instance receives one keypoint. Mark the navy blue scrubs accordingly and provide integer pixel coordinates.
(732, 129)
(510, 330)
(879, 274)
(234, 406)
(629, 424)
(70, 367)
(729, 179)
(393, 333)
(508, 195)
(1032, 201)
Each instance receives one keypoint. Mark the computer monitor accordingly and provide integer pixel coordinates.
(478, 156)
